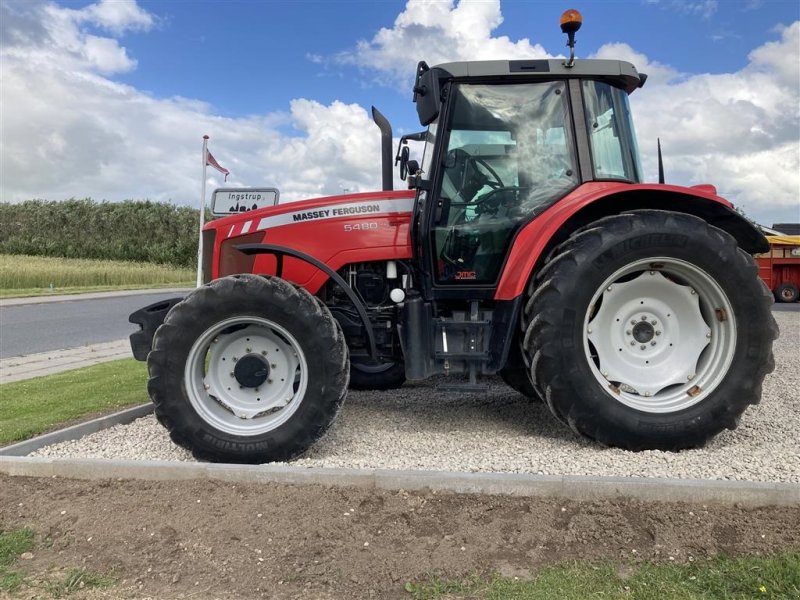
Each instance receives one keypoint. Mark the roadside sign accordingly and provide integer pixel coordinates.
(230, 201)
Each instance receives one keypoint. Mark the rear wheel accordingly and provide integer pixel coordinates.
(371, 375)
(651, 331)
(786, 292)
(247, 369)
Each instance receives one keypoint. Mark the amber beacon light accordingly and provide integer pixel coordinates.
(571, 20)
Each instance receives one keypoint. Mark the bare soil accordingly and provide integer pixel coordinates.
(204, 539)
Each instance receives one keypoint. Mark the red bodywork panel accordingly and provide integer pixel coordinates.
(341, 230)
(533, 238)
(337, 230)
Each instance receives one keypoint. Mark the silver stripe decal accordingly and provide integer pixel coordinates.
(246, 227)
(364, 208)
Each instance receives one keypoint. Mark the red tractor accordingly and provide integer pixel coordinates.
(526, 246)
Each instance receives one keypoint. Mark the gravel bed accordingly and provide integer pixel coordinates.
(419, 427)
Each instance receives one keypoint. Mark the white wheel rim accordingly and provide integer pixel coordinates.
(225, 396)
(659, 335)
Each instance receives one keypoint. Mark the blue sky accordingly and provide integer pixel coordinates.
(283, 88)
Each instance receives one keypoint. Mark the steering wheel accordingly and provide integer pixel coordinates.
(494, 183)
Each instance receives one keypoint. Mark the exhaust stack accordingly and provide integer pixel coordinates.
(386, 148)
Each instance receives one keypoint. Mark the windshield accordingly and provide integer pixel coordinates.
(509, 155)
(608, 119)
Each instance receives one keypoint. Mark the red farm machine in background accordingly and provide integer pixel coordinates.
(780, 267)
(527, 245)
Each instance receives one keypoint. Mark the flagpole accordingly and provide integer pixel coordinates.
(202, 214)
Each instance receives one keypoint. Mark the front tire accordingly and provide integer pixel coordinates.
(247, 369)
(651, 331)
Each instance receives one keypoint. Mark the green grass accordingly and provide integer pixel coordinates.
(773, 577)
(33, 406)
(22, 275)
(14, 543)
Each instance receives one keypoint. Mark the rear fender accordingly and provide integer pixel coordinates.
(594, 201)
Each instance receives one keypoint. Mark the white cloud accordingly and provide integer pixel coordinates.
(437, 32)
(76, 132)
(739, 131)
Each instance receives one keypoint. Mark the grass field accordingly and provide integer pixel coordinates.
(33, 406)
(723, 578)
(36, 275)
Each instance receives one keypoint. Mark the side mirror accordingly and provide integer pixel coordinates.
(404, 152)
(426, 94)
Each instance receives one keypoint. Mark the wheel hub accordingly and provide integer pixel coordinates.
(251, 370)
(643, 332)
(648, 334)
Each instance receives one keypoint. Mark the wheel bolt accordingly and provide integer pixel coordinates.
(633, 342)
(653, 322)
(647, 394)
(708, 335)
(658, 333)
(263, 353)
(256, 390)
(633, 321)
(605, 374)
(206, 386)
(644, 317)
(628, 332)
(693, 292)
(653, 343)
(652, 272)
(690, 377)
(235, 359)
(248, 350)
(273, 365)
(608, 289)
(589, 330)
(231, 373)
(642, 347)
(269, 380)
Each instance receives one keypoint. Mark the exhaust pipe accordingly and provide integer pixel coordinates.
(386, 148)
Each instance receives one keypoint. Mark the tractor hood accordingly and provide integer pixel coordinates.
(337, 230)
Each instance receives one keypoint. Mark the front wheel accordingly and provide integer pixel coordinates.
(652, 331)
(248, 369)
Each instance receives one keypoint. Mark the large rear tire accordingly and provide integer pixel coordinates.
(248, 369)
(650, 330)
(376, 376)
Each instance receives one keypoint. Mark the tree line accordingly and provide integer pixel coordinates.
(134, 230)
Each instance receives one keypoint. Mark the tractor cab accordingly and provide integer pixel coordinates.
(505, 141)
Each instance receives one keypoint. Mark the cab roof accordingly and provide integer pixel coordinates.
(619, 73)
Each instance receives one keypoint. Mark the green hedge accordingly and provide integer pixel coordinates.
(141, 231)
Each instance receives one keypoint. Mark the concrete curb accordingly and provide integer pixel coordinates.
(76, 432)
(741, 493)
(20, 368)
(89, 296)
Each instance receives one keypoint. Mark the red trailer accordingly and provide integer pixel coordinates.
(780, 267)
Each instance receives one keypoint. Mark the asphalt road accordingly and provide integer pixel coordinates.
(30, 328)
